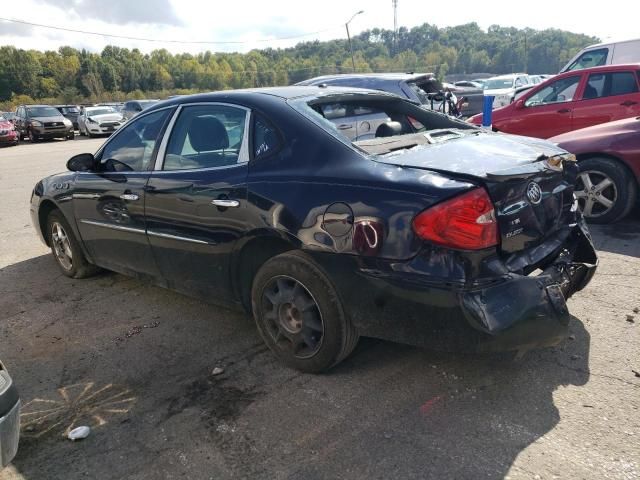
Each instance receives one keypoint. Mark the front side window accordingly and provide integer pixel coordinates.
(206, 136)
(132, 148)
(560, 91)
(592, 58)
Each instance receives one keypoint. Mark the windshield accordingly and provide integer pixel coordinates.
(374, 124)
(498, 83)
(42, 112)
(100, 111)
(70, 110)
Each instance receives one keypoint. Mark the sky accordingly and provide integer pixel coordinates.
(272, 23)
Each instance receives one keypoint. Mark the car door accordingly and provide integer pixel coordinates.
(109, 202)
(606, 97)
(546, 111)
(195, 204)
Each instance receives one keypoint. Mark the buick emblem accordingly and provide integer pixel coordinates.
(534, 193)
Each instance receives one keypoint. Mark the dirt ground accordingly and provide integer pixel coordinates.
(135, 363)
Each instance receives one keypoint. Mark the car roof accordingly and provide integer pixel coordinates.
(409, 76)
(602, 68)
(285, 93)
(611, 42)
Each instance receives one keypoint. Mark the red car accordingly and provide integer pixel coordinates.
(572, 100)
(609, 161)
(8, 134)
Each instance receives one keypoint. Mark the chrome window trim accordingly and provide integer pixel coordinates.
(126, 124)
(159, 161)
(112, 226)
(151, 233)
(243, 155)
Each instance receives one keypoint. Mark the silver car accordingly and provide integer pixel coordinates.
(9, 418)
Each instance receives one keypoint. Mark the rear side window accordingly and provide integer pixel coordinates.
(592, 58)
(265, 138)
(609, 84)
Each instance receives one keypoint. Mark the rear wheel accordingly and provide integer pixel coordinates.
(299, 314)
(65, 248)
(605, 190)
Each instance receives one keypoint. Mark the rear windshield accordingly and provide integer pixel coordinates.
(42, 112)
(377, 125)
(497, 83)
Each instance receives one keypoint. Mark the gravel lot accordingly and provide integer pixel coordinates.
(135, 362)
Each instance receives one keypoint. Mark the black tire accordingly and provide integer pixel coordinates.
(80, 131)
(71, 136)
(622, 191)
(337, 337)
(32, 137)
(79, 266)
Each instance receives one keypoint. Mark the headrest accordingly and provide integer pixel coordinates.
(389, 129)
(207, 133)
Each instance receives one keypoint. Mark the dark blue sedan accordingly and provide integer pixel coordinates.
(409, 225)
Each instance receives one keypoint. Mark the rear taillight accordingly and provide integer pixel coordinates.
(467, 222)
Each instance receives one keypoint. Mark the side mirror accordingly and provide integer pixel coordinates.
(83, 162)
(519, 104)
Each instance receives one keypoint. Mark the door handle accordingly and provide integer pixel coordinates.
(564, 110)
(225, 203)
(129, 197)
(345, 126)
(628, 103)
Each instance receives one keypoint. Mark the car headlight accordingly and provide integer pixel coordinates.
(67, 122)
(91, 120)
(35, 123)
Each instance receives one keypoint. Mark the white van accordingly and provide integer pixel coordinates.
(614, 53)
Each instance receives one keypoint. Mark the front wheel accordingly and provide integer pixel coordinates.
(32, 137)
(299, 314)
(65, 248)
(605, 190)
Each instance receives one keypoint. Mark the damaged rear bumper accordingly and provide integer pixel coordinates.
(528, 311)
(513, 310)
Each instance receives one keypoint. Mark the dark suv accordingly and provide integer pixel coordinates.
(134, 107)
(40, 122)
(70, 112)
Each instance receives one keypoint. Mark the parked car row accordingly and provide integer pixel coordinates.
(46, 122)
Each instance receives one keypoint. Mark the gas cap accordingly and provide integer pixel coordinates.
(338, 219)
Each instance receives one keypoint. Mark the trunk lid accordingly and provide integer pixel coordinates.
(531, 191)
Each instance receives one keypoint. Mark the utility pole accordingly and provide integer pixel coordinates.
(346, 25)
(395, 25)
(526, 53)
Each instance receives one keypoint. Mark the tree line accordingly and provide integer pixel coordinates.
(69, 75)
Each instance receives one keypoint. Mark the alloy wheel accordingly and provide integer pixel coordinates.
(596, 193)
(61, 246)
(292, 317)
